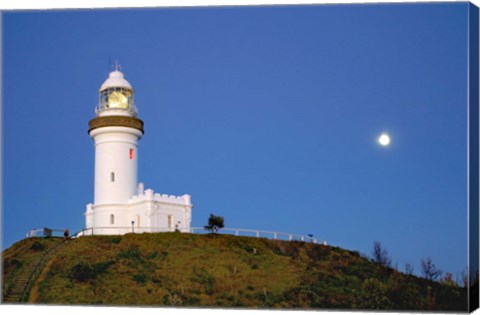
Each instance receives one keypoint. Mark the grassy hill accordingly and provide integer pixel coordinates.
(191, 270)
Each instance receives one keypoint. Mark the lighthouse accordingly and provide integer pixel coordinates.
(121, 204)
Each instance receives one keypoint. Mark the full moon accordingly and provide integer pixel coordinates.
(384, 139)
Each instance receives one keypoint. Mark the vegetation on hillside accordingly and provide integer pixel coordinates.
(177, 269)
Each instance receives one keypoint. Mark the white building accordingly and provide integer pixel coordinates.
(121, 204)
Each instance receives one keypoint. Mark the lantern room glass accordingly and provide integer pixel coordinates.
(117, 98)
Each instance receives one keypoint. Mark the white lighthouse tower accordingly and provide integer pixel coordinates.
(121, 205)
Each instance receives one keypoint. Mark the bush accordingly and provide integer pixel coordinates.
(267, 298)
(84, 272)
(241, 243)
(355, 253)
(12, 263)
(193, 300)
(116, 240)
(202, 277)
(140, 278)
(284, 248)
(226, 299)
(102, 267)
(153, 255)
(132, 253)
(37, 246)
(374, 295)
(317, 252)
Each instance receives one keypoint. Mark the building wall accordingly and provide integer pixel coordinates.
(116, 156)
(111, 219)
(151, 212)
(157, 208)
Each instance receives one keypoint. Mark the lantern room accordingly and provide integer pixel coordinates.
(116, 96)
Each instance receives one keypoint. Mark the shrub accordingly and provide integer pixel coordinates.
(202, 277)
(267, 298)
(285, 248)
(12, 263)
(226, 299)
(317, 252)
(82, 272)
(374, 295)
(194, 291)
(140, 278)
(193, 300)
(102, 267)
(116, 240)
(153, 255)
(132, 253)
(355, 253)
(37, 246)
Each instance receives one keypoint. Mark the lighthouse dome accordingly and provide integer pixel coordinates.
(116, 96)
(116, 79)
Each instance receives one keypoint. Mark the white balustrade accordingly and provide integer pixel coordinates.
(200, 230)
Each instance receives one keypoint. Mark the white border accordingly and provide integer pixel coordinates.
(97, 4)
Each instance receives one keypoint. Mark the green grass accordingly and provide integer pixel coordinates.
(177, 269)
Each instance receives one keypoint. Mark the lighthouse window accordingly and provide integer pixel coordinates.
(104, 99)
(112, 176)
(132, 154)
(112, 219)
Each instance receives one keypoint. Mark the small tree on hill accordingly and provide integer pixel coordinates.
(463, 277)
(380, 255)
(409, 269)
(429, 270)
(215, 223)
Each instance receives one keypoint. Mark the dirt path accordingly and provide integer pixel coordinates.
(34, 291)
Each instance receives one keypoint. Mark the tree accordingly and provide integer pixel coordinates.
(429, 270)
(463, 277)
(409, 269)
(380, 255)
(214, 223)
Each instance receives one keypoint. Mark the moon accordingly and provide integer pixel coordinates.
(384, 140)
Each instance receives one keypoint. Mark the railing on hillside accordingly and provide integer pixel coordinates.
(44, 232)
(40, 264)
(265, 234)
(200, 230)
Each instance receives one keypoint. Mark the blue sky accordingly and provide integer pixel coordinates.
(267, 116)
